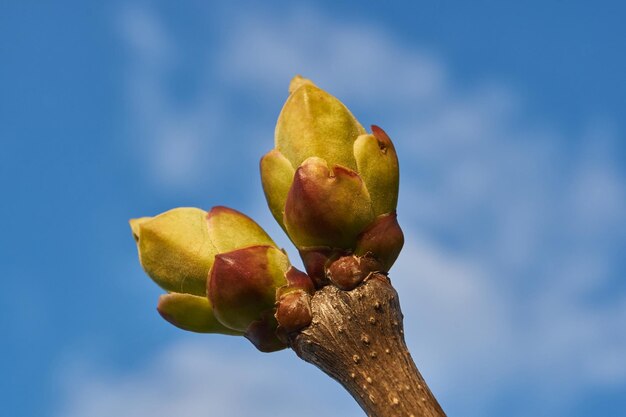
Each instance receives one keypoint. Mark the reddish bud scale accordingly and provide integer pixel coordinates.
(315, 261)
(296, 281)
(293, 311)
(384, 141)
(349, 271)
(242, 286)
(383, 239)
(326, 207)
(262, 334)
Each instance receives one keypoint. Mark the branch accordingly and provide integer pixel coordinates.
(357, 338)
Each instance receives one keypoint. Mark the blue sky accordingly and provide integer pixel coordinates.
(509, 123)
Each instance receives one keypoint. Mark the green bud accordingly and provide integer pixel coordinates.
(377, 165)
(175, 249)
(243, 284)
(314, 123)
(222, 270)
(229, 230)
(276, 177)
(327, 180)
(192, 313)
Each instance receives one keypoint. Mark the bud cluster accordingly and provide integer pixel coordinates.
(222, 271)
(331, 186)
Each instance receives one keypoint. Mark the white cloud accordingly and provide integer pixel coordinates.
(172, 140)
(507, 222)
(190, 379)
(356, 59)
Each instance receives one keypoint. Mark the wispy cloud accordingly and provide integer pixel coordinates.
(191, 379)
(171, 139)
(359, 60)
(510, 273)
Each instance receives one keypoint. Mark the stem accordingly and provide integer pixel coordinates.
(357, 338)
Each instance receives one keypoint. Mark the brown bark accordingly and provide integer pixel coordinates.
(357, 338)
